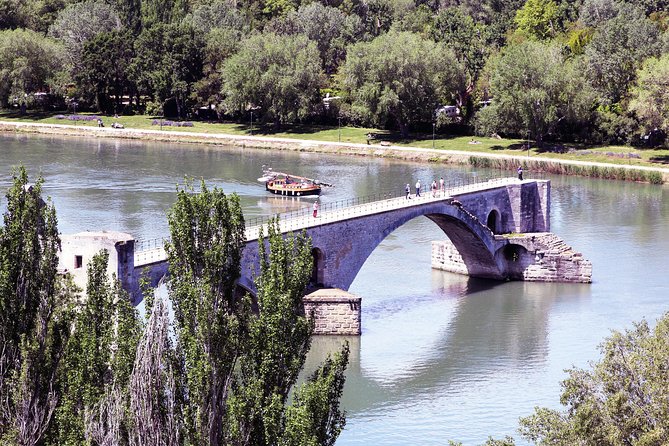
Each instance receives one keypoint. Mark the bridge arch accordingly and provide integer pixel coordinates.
(347, 245)
(494, 221)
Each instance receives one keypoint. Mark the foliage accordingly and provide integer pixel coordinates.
(535, 89)
(398, 77)
(623, 399)
(331, 29)
(617, 49)
(468, 39)
(169, 61)
(207, 236)
(278, 74)
(217, 14)
(28, 64)
(100, 353)
(537, 19)
(649, 98)
(80, 22)
(105, 61)
(34, 313)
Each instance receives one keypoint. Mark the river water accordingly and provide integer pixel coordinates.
(441, 357)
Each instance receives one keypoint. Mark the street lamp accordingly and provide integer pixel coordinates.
(434, 126)
(251, 122)
(339, 126)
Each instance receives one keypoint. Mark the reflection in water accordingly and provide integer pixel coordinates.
(441, 357)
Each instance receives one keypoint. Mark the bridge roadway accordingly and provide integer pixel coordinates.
(148, 252)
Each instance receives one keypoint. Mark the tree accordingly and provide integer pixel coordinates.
(538, 19)
(80, 22)
(534, 89)
(398, 77)
(458, 31)
(616, 51)
(623, 399)
(279, 74)
(99, 357)
(34, 314)
(279, 339)
(330, 28)
(29, 63)
(168, 63)
(649, 98)
(105, 61)
(207, 237)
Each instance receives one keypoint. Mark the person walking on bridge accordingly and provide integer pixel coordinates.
(442, 187)
(417, 188)
(520, 173)
(407, 190)
(316, 209)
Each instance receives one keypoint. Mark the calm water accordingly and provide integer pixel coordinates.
(442, 357)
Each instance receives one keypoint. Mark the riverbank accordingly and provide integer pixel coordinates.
(535, 163)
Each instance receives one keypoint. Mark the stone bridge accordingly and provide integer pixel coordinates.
(477, 219)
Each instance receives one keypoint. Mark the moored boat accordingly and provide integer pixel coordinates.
(281, 183)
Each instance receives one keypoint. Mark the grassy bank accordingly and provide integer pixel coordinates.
(625, 163)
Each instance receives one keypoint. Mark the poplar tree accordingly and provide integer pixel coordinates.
(34, 313)
(98, 360)
(207, 237)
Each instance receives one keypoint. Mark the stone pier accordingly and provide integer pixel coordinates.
(336, 312)
(536, 257)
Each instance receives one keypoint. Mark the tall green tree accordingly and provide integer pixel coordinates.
(207, 237)
(398, 77)
(538, 19)
(34, 314)
(650, 97)
(622, 400)
(279, 338)
(469, 41)
(617, 50)
(280, 75)
(535, 90)
(168, 63)
(105, 62)
(99, 357)
(79, 23)
(29, 63)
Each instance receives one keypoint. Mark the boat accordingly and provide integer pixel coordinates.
(282, 183)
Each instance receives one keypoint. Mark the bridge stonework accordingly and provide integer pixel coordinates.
(485, 227)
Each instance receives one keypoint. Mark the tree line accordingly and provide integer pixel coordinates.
(222, 369)
(592, 71)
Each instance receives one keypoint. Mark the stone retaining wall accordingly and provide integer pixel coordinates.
(336, 311)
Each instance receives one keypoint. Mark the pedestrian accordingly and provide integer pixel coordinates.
(520, 173)
(407, 190)
(442, 186)
(315, 208)
(418, 188)
(434, 188)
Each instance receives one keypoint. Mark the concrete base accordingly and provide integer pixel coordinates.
(335, 311)
(534, 257)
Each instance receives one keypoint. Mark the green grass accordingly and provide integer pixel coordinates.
(610, 154)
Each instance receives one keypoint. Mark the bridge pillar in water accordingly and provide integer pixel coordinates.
(335, 311)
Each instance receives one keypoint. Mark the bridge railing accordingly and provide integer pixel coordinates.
(350, 206)
(337, 206)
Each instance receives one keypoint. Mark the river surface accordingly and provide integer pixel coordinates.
(441, 357)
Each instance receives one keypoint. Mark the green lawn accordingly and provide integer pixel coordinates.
(609, 154)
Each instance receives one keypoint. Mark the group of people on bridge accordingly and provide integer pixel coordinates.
(434, 187)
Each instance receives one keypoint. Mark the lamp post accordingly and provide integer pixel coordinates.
(251, 122)
(339, 127)
(434, 127)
